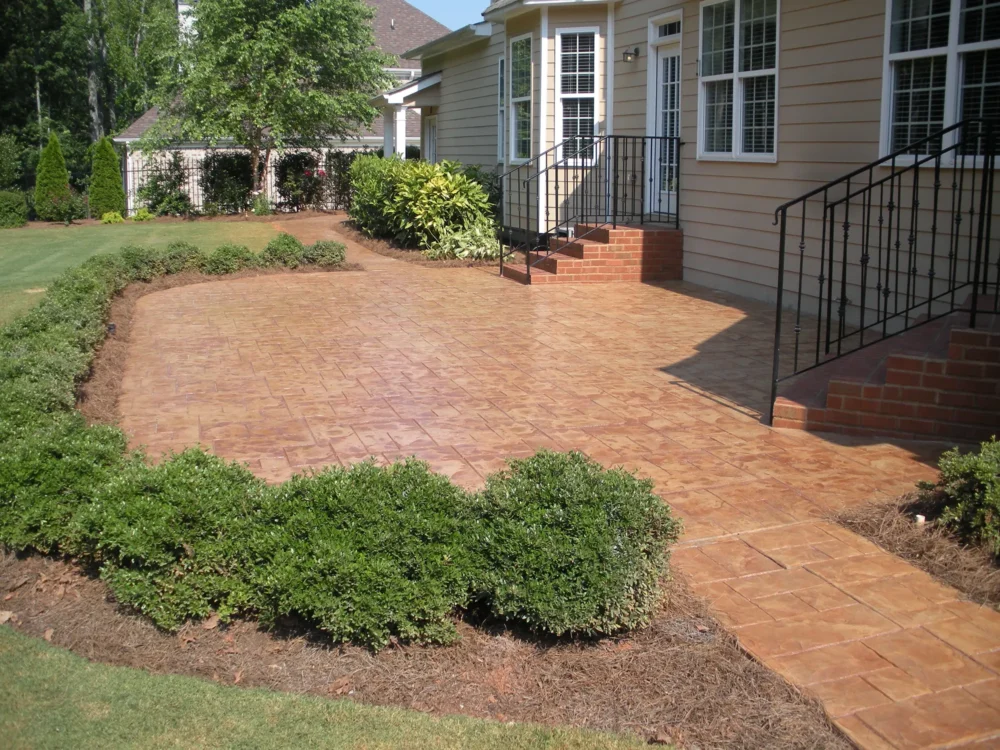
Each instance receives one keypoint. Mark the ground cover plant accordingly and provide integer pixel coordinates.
(406, 548)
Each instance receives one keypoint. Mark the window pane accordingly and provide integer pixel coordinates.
(522, 130)
(520, 68)
(758, 34)
(758, 115)
(980, 20)
(980, 91)
(919, 24)
(577, 63)
(717, 36)
(578, 128)
(918, 101)
(719, 116)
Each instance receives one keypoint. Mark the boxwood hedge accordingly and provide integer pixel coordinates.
(366, 553)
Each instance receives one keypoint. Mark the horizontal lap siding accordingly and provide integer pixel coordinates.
(467, 108)
(830, 79)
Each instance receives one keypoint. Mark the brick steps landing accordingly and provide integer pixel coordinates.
(628, 253)
(938, 381)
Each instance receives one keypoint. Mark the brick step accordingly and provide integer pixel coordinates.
(518, 272)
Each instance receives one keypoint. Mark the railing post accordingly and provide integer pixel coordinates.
(614, 186)
(985, 188)
(777, 318)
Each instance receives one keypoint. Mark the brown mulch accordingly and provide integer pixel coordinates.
(683, 675)
(931, 547)
(394, 250)
(97, 397)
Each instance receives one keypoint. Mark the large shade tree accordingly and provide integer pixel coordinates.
(268, 74)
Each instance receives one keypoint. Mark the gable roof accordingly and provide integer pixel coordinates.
(400, 27)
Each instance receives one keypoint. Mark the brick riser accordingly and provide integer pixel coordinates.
(606, 255)
(956, 397)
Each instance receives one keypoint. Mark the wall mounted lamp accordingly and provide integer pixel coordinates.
(630, 55)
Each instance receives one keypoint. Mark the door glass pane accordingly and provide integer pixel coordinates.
(670, 119)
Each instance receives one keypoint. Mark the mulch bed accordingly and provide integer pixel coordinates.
(893, 526)
(683, 679)
(394, 250)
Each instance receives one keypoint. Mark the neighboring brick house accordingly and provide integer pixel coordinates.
(398, 27)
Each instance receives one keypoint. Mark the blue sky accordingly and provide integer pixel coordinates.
(453, 13)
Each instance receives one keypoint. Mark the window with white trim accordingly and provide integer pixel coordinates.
(501, 109)
(738, 70)
(942, 66)
(576, 93)
(520, 98)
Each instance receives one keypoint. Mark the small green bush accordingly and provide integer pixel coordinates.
(374, 182)
(11, 162)
(182, 256)
(261, 205)
(229, 258)
(569, 547)
(969, 486)
(53, 198)
(367, 553)
(163, 190)
(227, 181)
(283, 250)
(325, 253)
(13, 209)
(476, 242)
(300, 180)
(143, 214)
(106, 192)
(112, 217)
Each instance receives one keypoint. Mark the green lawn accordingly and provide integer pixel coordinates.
(31, 258)
(50, 698)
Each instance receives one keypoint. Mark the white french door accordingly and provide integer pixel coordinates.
(666, 105)
(430, 138)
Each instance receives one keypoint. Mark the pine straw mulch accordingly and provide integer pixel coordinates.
(932, 548)
(394, 250)
(683, 677)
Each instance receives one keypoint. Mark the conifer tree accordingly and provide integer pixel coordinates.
(106, 191)
(52, 192)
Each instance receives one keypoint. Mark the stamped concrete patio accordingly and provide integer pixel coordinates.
(464, 369)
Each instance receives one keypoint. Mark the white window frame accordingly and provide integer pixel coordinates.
(513, 157)
(737, 77)
(954, 76)
(501, 108)
(557, 84)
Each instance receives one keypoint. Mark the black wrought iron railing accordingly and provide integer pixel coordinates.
(897, 243)
(594, 181)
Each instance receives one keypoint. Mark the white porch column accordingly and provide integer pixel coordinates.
(388, 131)
(543, 120)
(399, 139)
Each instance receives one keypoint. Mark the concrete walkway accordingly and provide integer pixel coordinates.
(464, 369)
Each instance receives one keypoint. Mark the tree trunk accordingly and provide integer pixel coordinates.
(38, 108)
(254, 165)
(96, 126)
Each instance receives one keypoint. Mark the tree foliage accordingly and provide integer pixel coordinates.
(52, 189)
(265, 74)
(107, 195)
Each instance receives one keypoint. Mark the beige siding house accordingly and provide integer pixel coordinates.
(769, 98)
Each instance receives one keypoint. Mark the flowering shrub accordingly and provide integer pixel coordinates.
(301, 181)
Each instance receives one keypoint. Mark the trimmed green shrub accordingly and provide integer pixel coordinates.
(175, 540)
(11, 164)
(300, 180)
(13, 209)
(182, 256)
(969, 486)
(143, 214)
(476, 242)
(261, 205)
(283, 250)
(163, 190)
(227, 181)
(570, 547)
(325, 253)
(112, 217)
(367, 553)
(374, 181)
(53, 198)
(229, 258)
(106, 192)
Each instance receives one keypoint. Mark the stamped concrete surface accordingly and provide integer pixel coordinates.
(464, 369)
